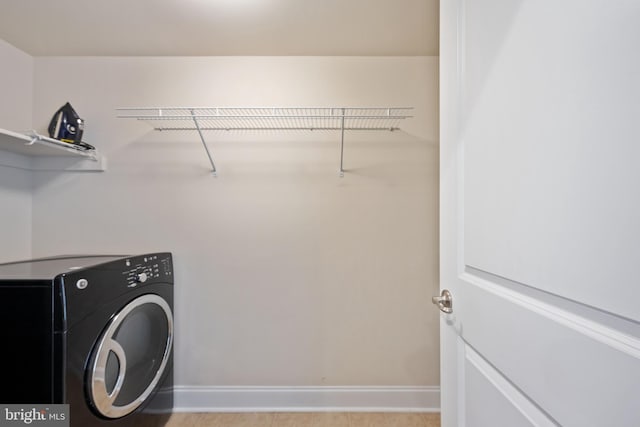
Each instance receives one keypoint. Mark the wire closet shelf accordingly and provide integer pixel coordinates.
(202, 119)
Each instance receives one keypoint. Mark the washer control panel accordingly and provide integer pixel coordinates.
(139, 270)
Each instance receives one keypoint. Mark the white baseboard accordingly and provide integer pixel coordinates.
(306, 399)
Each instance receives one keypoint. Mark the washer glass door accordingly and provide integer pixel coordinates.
(130, 357)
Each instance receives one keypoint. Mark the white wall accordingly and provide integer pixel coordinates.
(16, 87)
(286, 273)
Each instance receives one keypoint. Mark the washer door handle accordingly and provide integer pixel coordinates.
(99, 378)
(122, 363)
(117, 349)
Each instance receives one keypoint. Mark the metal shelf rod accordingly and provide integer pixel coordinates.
(342, 146)
(258, 116)
(329, 109)
(213, 166)
(229, 129)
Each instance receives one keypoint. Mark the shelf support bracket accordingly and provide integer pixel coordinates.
(204, 144)
(342, 144)
(34, 138)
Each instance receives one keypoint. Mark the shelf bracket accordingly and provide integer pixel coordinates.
(342, 144)
(204, 144)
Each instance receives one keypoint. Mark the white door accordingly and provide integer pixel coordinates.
(540, 212)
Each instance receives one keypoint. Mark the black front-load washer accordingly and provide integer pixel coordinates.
(94, 332)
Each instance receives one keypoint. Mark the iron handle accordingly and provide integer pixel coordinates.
(444, 301)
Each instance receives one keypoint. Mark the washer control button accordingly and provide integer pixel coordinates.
(82, 284)
(141, 278)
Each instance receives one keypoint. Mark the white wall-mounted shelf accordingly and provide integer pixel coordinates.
(37, 152)
(203, 119)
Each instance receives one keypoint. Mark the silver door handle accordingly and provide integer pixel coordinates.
(444, 301)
